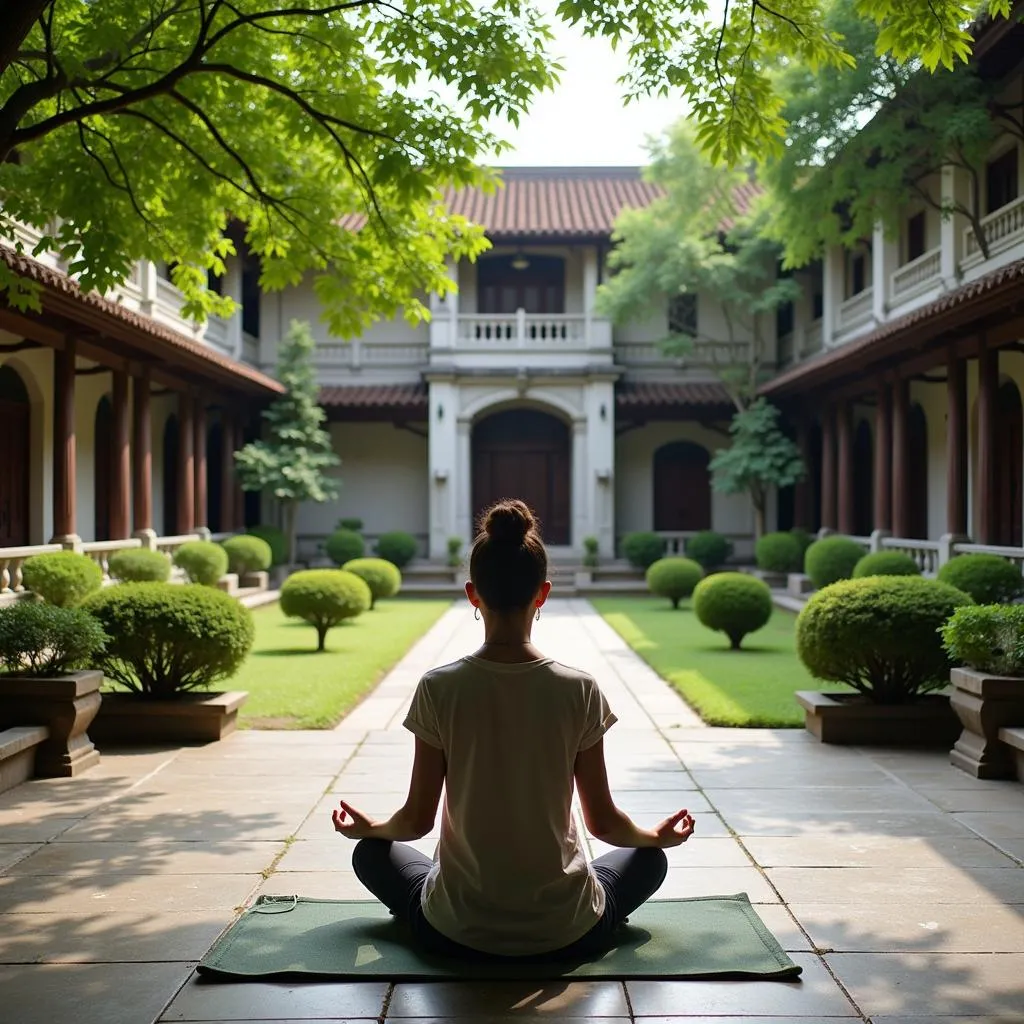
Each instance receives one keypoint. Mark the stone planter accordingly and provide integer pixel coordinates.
(128, 719)
(775, 580)
(66, 705)
(799, 585)
(845, 718)
(1014, 740)
(256, 580)
(228, 583)
(984, 704)
(18, 753)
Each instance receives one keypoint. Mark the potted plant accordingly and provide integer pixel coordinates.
(777, 555)
(167, 645)
(880, 637)
(249, 558)
(987, 643)
(43, 649)
(455, 555)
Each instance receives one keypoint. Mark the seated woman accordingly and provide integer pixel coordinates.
(507, 731)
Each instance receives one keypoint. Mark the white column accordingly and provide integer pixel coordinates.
(884, 261)
(951, 230)
(233, 289)
(444, 313)
(441, 447)
(462, 488)
(582, 485)
(833, 289)
(600, 479)
(147, 286)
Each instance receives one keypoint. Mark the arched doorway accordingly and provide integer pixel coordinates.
(103, 467)
(524, 453)
(682, 487)
(863, 480)
(917, 451)
(15, 458)
(214, 480)
(1009, 458)
(170, 475)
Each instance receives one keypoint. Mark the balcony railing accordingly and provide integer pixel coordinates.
(701, 354)
(522, 330)
(916, 277)
(1003, 229)
(856, 310)
(357, 354)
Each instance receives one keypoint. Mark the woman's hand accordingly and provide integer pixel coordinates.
(353, 824)
(676, 830)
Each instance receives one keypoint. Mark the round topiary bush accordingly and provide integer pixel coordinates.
(202, 561)
(708, 548)
(275, 538)
(987, 637)
(382, 577)
(886, 563)
(397, 547)
(673, 578)
(879, 635)
(324, 597)
(166, 639)
(45, 640)
(62, 578)
(350, 523)
(247, 554)
(344, 545)
(831, 559)
(803, 538)
(140, 565)
(643, 549)
(989, 579)
(778, 552)
(733, 603)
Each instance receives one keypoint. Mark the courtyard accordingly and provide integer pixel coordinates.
(894, 880)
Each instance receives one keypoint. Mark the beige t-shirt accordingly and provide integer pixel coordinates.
(510, 875)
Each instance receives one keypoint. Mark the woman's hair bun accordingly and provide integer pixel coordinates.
(509, 522)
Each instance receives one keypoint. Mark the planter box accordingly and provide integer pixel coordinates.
(775, 580)
(799, 585)
(850, 719)
(18, 753)
(1014, 739)
(985, 704)
(66, 705)
(127, 718)
(257, 580)
(228, 583)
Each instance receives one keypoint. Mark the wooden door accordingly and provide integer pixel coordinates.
(15, 459)
(682, 488)
(539, 287)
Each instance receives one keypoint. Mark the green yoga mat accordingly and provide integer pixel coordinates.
(718, 936)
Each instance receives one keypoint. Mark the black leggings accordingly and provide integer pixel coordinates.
(395, 874)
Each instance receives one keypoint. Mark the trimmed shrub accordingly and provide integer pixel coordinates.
(803, 538)
(44, 640)
(324, 597)
(140, 565)
(455, 552)
(778, 552)
(989, 579)
(989, 638)
(591, 550)
(397, 547)
(673, 578)
(275, 538)
(879, 635)
(62, 578)
(344, 545)
(355, 525)
(202, 561)
(248, 554)
(643, 549)
(166, 639)
(382, 577)
(831, 559)
(886, 563)
(708, 548)
(733, 603)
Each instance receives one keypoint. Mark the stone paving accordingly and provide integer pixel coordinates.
(896, 881)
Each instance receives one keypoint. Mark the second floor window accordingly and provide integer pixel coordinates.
(1002, 183)
(784, 320)
(682, 314)
(505, 284)
(251, 294)
(858, 274)
(916, 236)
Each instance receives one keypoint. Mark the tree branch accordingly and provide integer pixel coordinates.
(17, 18)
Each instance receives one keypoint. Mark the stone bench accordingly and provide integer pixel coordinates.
(18, 753)
(1013, 737)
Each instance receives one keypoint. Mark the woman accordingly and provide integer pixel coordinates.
(508, 731)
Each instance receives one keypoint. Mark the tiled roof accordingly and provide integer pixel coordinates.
(376, 396)
(647, 394)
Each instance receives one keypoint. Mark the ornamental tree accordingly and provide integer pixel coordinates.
(291, 462)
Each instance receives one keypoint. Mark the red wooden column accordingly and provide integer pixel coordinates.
(186, 465)
(121, 482)
(802, 489)
(64, 479)
(828, 470)
(199, 461)
(956, 447)
(883, 459)
(142, 454)
(900, 459)
(988, 385)
(844, 444)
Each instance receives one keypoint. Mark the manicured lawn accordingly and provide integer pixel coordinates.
(293, 687)
(751, 687)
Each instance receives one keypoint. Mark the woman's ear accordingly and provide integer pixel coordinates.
(471, 594)
(542, 594)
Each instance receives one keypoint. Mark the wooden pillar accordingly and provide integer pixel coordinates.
(956, 447)
(227, 472)
(199, 462)
(828, 470)
(844, 444)
(802, 489)
(64, 479)
(883, 459)
(186, 465)
(121, 478)
(142, 454)
(988, 386)
(900, 459)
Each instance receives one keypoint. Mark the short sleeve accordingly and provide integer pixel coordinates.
(599, 717)
(421, 720)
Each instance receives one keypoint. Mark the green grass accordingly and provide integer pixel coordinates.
(752, 687)
(293, 687)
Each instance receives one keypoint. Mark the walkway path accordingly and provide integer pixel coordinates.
(897, 882)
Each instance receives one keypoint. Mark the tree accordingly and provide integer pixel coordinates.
(291, 463)
(761, 457)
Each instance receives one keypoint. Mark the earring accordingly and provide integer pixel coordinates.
(538, 613)
(476, 612)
